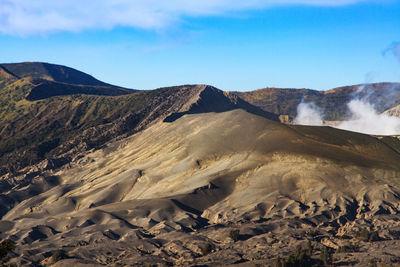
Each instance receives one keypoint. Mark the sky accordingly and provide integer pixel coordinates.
(230, 44)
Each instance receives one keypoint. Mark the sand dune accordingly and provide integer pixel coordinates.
(161, 194)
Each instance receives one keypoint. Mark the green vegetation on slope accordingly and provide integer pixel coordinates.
(50, 72)
(70, 102)
(33, 130)
(54, 112)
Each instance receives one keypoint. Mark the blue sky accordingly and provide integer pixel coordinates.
(318, 44)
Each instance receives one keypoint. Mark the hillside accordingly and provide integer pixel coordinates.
(394, 111)
(52, 72)
(94, 174)
(163, 194)
(34, 81)
(332, 103)
(35, 124)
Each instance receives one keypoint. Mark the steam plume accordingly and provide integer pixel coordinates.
(308, 114)
(363, 119)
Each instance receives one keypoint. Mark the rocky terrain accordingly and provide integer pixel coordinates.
(187, 176)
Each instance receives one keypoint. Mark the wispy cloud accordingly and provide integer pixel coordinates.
(30, 17)
(393, 48)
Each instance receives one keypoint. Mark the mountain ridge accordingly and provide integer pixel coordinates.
(78, 122)
(54, 72)
(47, 80)
(280, 101)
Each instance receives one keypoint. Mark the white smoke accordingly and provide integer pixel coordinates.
(308, 114)
(363, 119)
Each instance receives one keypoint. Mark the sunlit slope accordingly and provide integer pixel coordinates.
(394, 111)
(64, 126)
(223, 167)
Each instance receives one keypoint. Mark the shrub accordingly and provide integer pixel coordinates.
(278, 262)
(309, 248)
(234, 235)
(372, 263)
(348, 248)
(58, 255)
(206, 249)
(301, 258)
(326, 256)
(6, 246)
(367, 236)
(395, 234)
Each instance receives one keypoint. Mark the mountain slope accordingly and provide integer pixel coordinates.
(51, 72)
(163, 193)
(5, 74)
(63, 126)
(43, 80)
(394, 111)
(333, 103)
(45, 89)
(188, 175)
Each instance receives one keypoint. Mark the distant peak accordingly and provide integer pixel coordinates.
(53, 72)
(207, 98)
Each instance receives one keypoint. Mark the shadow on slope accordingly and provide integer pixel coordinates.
(212, 99)
(47, 89)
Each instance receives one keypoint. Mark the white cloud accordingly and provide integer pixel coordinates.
(28, 17)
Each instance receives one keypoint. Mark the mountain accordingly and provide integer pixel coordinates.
(52, 72)
(48, 119)
(165, 194)
(42, 80)
(333, 103)
(94, 174)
